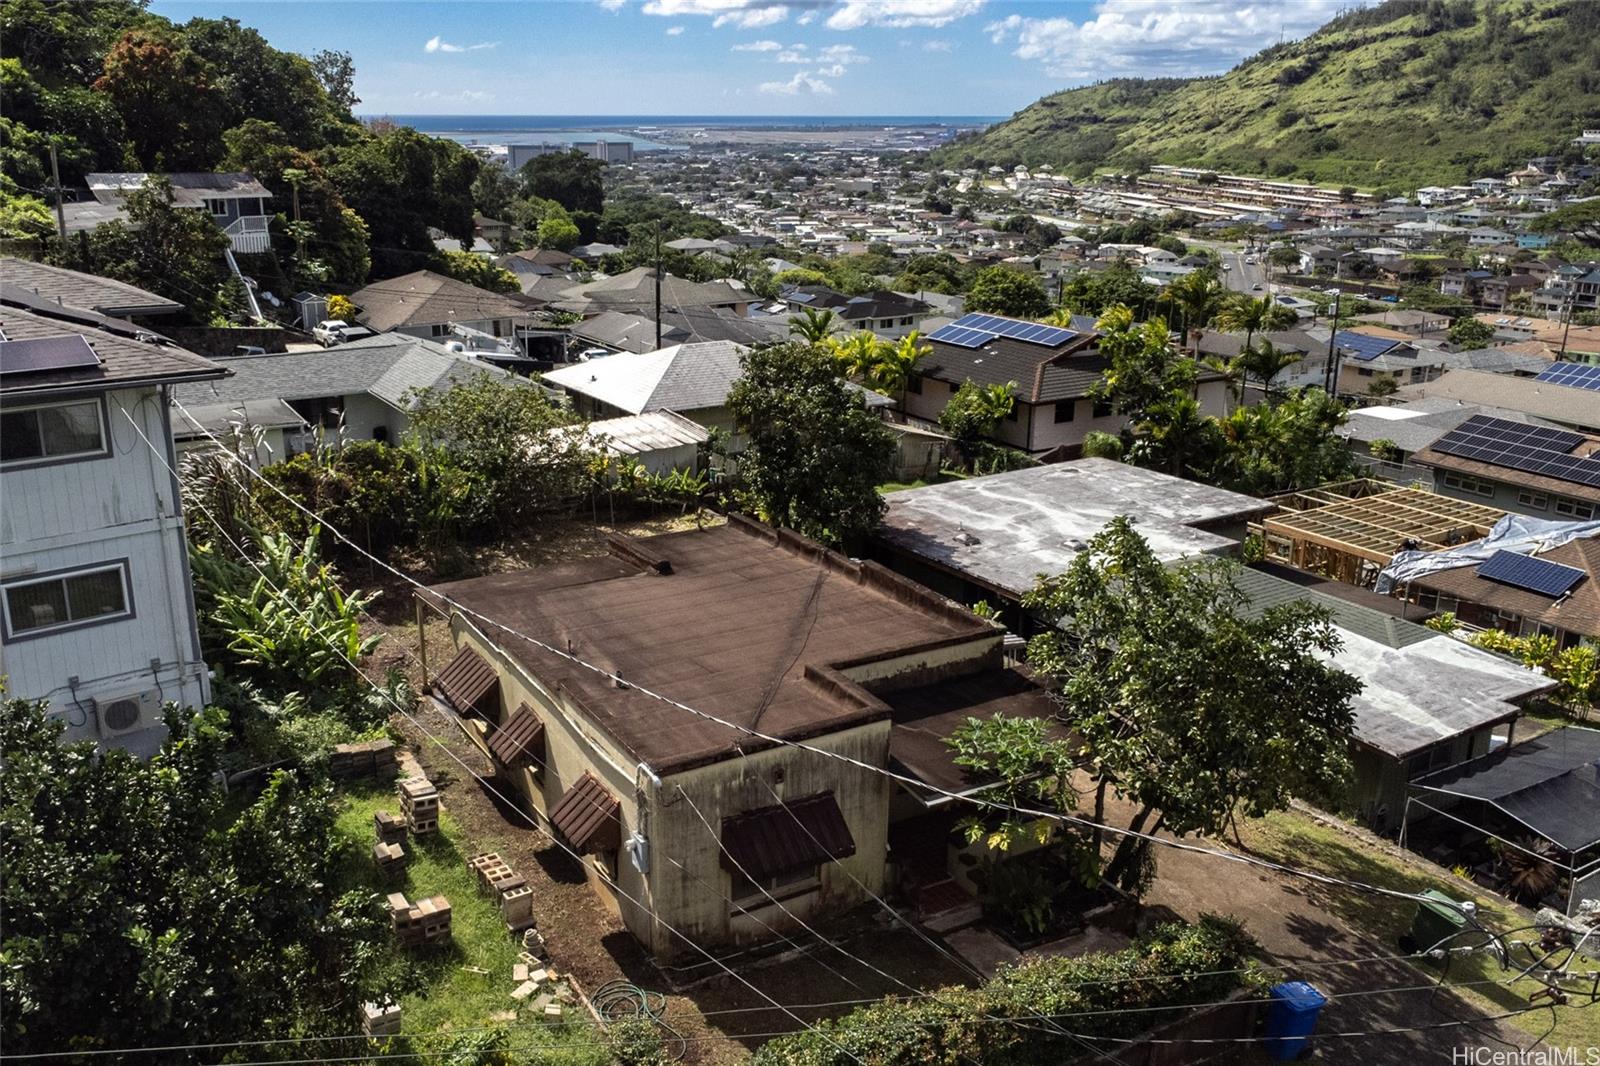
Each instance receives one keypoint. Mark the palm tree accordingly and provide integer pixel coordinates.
(1263, 362)
(1253, 316)
(1198, 295)
(857, 354)
(896, 363)
(814, 326)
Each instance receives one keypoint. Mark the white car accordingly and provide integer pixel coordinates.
(330, 331)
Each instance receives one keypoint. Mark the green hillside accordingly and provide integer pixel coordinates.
(1408, 93)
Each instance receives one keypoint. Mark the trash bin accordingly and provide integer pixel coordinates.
(1438, 919)
(1291, 1019)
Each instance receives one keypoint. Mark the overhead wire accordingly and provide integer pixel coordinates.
(483, 782)
(904, 779)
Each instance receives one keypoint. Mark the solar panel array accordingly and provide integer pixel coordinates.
(67, 352)
(1572, 375)
(1519, 446)
(976, 330)
(1534, 575)
(1361, 346)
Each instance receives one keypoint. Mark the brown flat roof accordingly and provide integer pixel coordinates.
(924, 716)
(737, 621)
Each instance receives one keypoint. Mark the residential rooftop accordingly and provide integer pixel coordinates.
(77, 289)
(1003, 530)
(423, 298)
(123, 359)
(738, 621)
(1561, 404)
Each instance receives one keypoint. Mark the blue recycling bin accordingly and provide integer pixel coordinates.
(1292, 1018)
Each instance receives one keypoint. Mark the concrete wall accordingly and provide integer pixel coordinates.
(119, 507)
(220, 341)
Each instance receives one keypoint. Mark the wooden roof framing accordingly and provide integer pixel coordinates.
(1375, 527)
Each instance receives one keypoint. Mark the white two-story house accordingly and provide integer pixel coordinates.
(97, 610)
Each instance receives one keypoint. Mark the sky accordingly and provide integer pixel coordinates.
(758, 57)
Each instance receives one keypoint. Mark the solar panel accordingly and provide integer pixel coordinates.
(976, 330)
(1534, 575)
(1519, 446)
(67, 352)
(1363, 347)
(1572, 375)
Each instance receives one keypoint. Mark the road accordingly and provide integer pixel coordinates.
(1241, 276)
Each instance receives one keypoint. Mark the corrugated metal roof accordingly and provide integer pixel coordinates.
(787, 836)
(467, 681)
(522, 737)
(588, 816)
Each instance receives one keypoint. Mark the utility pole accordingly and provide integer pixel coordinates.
(1572, 301)
(658, 284)
(61, 215)
(1333, 334)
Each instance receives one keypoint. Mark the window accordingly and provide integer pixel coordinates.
(1538, 501)
(217, 207)
(1467, 483)
(66, 600)
(1102, 409)
(1066, 410)
(1435, 758)
(53, 432)
(1364, 371)
(1574, 508)
(796, 882)
(914, 384)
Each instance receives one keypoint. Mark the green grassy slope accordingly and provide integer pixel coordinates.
(1408, 93)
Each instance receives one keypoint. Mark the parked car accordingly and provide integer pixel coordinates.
(248, 349)
(331, 331)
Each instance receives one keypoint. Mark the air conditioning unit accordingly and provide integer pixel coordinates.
(117, 715)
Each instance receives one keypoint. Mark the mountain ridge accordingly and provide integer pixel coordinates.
(1406, 93)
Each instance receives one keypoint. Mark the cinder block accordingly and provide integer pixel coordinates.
(524, 990)
(519, 972)
(552, 1010)
(380, 1019)
(390, 827)
(516, 904)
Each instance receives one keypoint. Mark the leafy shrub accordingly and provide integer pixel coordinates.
(1443, 623)
(1174, 965)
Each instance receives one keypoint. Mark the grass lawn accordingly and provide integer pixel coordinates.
(1295, 838)
(938, 479)
(448, 994)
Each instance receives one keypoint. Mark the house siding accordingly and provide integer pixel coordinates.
(119, 507)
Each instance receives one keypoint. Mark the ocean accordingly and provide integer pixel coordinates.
(512, 129)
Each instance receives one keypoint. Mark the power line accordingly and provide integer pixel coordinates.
(1057, 816)
(448, 751)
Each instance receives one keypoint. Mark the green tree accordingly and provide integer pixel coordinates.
(474, 269)
(1022, 762)
(1188, 704)
(146, 906)
(337, 73)
(974, 412)
(1281, 447)
(814, 326)
(1000, 290)
(1284, 257)
(512, 447)
(1241, 312)
(558, 233)
(815, 454)
(401, 183)
(1092, 293)
(1196, 297)
(572, 179)
(1469, 332)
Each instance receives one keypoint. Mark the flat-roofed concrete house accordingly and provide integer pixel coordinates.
(96, 607)
(702, 823)
(988, 538)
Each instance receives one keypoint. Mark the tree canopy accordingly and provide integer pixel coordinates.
(1187, 702)
(815, 454)
(1001, 290)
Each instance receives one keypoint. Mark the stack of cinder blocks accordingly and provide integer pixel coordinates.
(500, 882)
(380, 1019)
(422, 922)
(389, 852)
(419, 801)
(364, 759)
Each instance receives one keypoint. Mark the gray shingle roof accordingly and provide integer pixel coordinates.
(387, 367)
(123, 359)
(189, 188)
(78, 289)
(423, 298)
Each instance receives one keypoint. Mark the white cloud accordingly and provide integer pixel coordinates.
(758, 46)
(674, 31)
(854, 14)
(743, 14)
(612, 5)
(439, 44)
(802, 82)
(938, 46)
(793, 54)
(1158, 37)
(807, 17)
(842, 53)
(835, 71)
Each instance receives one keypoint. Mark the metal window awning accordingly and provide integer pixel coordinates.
(589, 817)
(467, 682)
(519, 740)
(785, 837)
